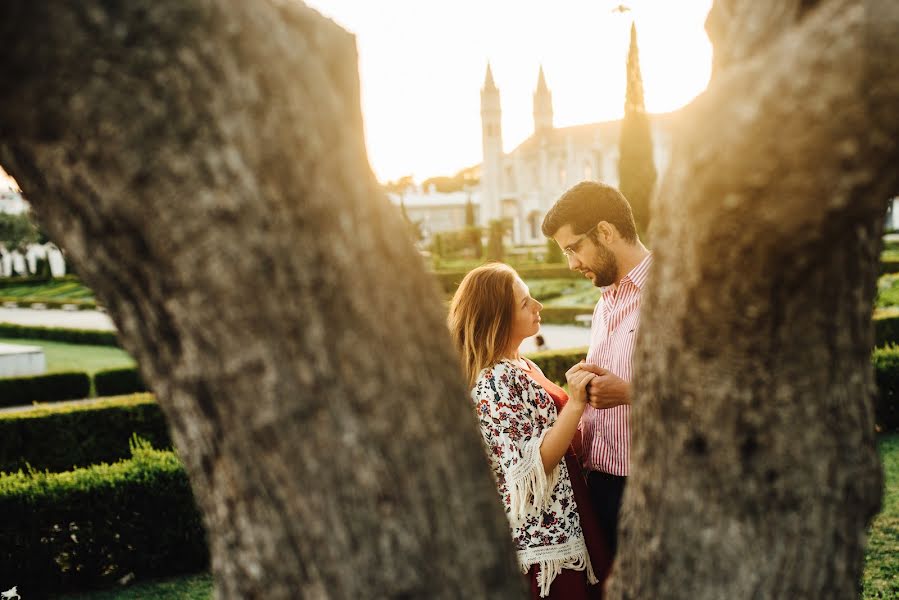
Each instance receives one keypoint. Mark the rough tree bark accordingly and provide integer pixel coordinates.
(754, 467)
(203, 164)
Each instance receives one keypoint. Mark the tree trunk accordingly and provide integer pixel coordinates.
(203, 165)
(754, 466)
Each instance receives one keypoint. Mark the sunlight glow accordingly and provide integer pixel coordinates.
(422, 65)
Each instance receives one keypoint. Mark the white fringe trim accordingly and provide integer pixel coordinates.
(530, 488)
(552, 559)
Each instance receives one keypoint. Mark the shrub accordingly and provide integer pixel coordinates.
(118, 382)
(30, 280)
(449, 280)
(553, 252)
(889, 265)
(564, 315)
(886, 329)
(58, 438)
(59, 334)
(90, 527)
(886, 372)
(554, 363)
(50, 302)
(16, 391)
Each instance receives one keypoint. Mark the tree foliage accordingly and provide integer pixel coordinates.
(636, 167)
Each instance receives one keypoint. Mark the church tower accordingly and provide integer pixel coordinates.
(543, 105)
(492, 143)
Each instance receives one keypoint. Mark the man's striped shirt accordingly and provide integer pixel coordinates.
(606, 432)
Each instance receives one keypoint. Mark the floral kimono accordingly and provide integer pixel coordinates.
(514, 414)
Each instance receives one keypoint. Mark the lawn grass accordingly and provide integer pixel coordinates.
(51, 290)
(77, 357)
(190, 587)
(881, 578)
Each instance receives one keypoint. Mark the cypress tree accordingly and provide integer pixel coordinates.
(636, 169)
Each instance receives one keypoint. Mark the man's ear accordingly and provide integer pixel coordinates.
(606, 232)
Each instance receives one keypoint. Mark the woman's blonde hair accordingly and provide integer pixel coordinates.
(481, 317)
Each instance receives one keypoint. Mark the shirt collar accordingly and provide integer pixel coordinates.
(638, 274)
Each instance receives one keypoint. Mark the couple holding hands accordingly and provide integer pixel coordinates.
(560, 459)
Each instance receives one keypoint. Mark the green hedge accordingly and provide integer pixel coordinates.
(49, 302)
(18, 280)
(53, 387)
(59, 334)
(886, 330)
(565, 315)
(118, 382)
(554, 363)
(58, 438)
(889, 265)
(88, 528)
(450, 280)
(886, 372)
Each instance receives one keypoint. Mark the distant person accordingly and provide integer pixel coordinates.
(528, 424)
(541, 343)
(594, 226)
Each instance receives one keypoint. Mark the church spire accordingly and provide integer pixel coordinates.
(488, 79)
(543, 105)
(542, 88)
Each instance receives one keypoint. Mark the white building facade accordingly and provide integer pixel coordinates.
(522, 185)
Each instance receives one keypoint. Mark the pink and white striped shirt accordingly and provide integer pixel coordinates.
(606, 433)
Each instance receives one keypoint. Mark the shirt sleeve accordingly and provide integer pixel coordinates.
(513, 428)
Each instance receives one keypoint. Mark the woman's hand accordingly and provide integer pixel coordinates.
(578, 379)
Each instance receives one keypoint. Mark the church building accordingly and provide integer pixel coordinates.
(521, 186)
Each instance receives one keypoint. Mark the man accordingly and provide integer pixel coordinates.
(594, 225)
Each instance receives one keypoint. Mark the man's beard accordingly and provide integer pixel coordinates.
(605, 267)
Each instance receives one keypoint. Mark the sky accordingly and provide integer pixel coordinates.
(422, 64)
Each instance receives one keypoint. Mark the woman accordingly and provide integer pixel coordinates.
(528, 424)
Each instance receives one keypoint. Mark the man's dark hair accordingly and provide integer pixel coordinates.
(585, 205)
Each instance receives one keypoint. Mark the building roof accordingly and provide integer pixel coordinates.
(601, 135)
(416, 198)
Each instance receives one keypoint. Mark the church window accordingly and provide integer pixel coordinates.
(533, 221)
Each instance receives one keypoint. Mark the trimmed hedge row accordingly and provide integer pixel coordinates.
(53, 387)
(59, 334)
(554, 363)
(565, 315)
(886, 330)
(18, 280)
(90, 527)
(63, 437)
(118, 382)
(889, 265)
(886, 373)
(450, 280)
(24, 301)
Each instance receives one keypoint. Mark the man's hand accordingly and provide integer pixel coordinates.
(606, 390)
(578, 379)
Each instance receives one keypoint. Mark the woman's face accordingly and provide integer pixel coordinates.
(526, 316)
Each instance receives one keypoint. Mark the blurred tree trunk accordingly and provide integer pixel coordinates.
(754, 466)
(203, 164)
